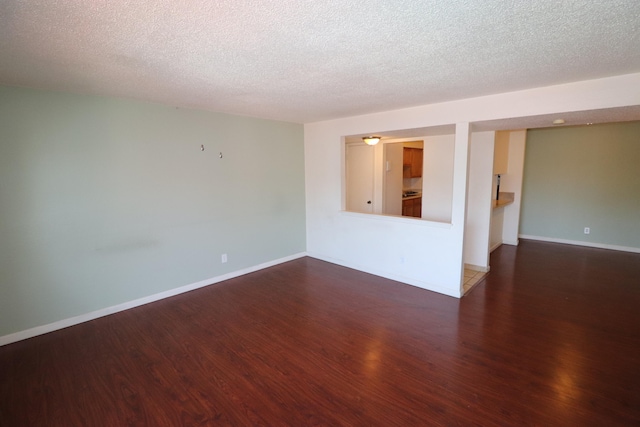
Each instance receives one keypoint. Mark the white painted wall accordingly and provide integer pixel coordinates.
(437, 178)
(476, 241)
(360, 177)
(512, 183)
(497, 225)
(399, 248)
(423, 253)
(392, 172)
(378, 182)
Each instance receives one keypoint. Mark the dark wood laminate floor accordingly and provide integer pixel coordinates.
(549, 338)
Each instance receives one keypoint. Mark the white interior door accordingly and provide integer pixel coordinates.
(359, 174)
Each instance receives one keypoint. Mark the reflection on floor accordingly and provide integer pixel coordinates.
(471, 278)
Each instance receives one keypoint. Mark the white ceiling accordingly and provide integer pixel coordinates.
(305, 61)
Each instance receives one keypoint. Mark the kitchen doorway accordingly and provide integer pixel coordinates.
(402, 188)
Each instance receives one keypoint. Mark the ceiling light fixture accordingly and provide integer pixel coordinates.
(558, 122)
(371, 140)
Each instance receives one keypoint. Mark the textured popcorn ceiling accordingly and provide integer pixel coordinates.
(304, 61)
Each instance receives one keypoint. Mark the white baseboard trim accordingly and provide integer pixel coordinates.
(511, 242)
(504, 242)
(61, 324)
(477, 268)
(581, 243)
(417, 283)
(495, 246)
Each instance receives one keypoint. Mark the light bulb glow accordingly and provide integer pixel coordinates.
(371, 140)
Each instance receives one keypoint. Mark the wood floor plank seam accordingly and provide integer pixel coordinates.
(548, 338)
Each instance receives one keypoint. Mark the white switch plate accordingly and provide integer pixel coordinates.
(223, 258)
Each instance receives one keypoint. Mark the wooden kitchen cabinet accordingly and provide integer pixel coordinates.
(412, 162)
(412, 207)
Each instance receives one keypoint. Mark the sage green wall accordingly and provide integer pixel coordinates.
(587, 176)
(103, 201)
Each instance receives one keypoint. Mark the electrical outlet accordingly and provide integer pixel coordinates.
(223, 259)
(587, 230)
